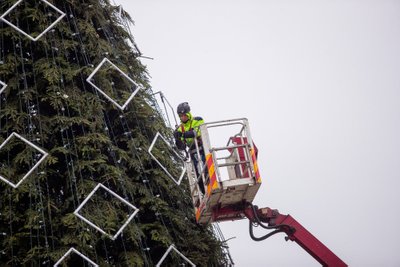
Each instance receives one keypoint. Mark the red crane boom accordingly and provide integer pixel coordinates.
(271, 219)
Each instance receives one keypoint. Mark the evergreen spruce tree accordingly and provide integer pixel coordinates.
(48, 102)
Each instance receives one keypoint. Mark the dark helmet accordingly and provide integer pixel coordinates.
(183, 108)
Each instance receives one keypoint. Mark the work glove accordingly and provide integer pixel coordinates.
(189, 134)
(177, 135)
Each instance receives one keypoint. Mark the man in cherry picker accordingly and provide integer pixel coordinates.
(187, 131)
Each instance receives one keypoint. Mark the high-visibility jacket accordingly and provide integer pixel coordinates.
(190, 129)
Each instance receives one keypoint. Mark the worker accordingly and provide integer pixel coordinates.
(187, 131)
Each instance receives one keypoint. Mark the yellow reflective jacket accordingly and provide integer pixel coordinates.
(190, 129)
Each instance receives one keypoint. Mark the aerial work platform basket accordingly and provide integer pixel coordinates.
(230, 172)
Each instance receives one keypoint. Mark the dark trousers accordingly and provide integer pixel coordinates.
(194, 158)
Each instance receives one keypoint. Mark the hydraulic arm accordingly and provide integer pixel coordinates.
(271, 219)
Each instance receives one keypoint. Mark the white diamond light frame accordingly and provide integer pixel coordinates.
(172, 247)
(177, 181)
(112, 237)
(62, 15)
(44, 155)
(89, 80)
(71, 250)
(3, 87)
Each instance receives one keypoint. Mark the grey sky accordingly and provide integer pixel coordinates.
(319, 82)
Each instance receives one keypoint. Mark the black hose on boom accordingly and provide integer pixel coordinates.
(264, 236)
(278, 228)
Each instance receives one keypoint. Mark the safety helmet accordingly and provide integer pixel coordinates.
(183, 108)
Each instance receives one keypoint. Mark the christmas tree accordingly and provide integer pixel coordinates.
(77, 117)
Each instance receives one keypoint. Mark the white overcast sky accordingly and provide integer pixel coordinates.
(319, 82)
